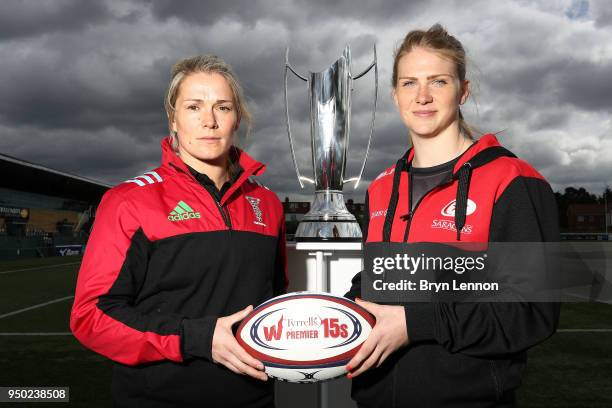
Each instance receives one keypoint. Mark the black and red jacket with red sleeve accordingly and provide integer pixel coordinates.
(461, 354)
(165, 259)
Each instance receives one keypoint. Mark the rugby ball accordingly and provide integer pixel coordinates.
(305, 337)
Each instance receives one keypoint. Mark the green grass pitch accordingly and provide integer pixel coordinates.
(571, 369)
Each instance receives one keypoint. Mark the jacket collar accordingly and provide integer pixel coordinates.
(250, 166)
(485, 142)
(485, 150)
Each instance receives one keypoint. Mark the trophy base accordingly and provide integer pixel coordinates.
(334, 231)
(328, 220)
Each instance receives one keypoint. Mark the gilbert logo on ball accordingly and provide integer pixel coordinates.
(305, 337)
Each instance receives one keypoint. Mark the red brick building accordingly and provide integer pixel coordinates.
(588, 218)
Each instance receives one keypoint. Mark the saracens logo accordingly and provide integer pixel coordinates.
(449, 209)
(256, 210)
(450, 226)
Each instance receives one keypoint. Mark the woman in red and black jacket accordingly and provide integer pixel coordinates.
(449, 188)
(181, 253)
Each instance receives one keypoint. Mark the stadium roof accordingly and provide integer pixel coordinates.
(34, 178)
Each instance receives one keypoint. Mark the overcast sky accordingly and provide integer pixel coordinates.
(82, 83)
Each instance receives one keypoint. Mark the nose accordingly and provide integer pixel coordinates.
(423, 95)
(208, 119)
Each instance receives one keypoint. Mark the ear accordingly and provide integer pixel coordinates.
(173, 124)
(394, 96)
(465, 91)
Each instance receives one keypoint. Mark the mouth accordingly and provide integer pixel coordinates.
(209, 139)
(424, 113)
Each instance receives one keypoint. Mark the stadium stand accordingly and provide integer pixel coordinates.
(44, 212)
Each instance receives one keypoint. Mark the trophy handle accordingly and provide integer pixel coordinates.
(288, 68)
(375, 65)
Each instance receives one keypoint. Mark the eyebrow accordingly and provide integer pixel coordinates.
(202, 100)
(429, 77)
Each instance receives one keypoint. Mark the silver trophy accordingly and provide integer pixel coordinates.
(329, 93)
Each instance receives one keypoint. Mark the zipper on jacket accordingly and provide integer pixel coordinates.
(224, 214)
(222, 209)
(410, 210)
(411, 213)
(409, 218)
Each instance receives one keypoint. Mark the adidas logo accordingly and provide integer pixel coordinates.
(182, 212)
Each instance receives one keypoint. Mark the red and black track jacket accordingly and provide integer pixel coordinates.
(461, 354)
(165, 259)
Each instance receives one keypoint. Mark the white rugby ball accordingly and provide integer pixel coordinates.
(305, 337)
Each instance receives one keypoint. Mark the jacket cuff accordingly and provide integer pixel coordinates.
(197, 336)
(420, 318)
(355, 290)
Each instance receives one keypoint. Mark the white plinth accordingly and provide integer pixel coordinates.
(327, 267)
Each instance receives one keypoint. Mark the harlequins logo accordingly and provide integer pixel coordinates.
(256, 210)
(183, 212)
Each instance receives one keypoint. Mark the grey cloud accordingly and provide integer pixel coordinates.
(586, 85)
(540, 152)
(602, 12)
(554, 83)
(128, 98)
(82, 89)
(207, 12)
(60, 95)
(26, 18)
(109, 155)
(520, 64)
(550, 118)
(579, 174)
(292, 12)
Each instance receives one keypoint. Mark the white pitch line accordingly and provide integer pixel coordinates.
(38, 334)
(35, 306)
(70, 334)
(38, 267)
(584, 331)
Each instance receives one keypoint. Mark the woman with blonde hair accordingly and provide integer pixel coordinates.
(449, 188)
(181, 253)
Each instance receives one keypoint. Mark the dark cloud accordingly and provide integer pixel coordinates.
(109, 155)
(69, 90)
(586, 85)
(291, 12)
(602, 12)
(547, 119)
(28, 18)
(207, 12)
(82, 84)
(539, 152)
